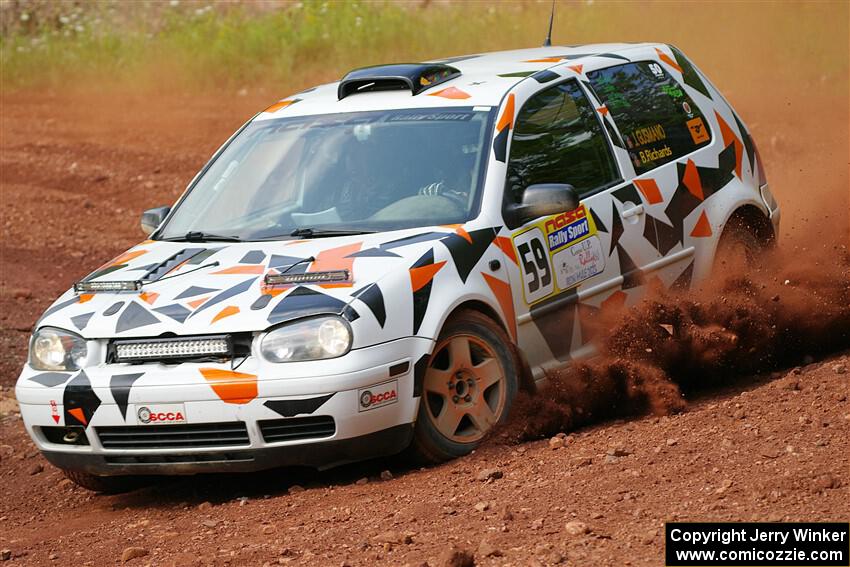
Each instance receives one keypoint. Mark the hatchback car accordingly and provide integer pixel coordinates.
(379, 264)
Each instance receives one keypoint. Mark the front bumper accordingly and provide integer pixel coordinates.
(319, 421)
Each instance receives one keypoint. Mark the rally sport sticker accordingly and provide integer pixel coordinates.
(377, 396)
(558, 253)
(161, 414)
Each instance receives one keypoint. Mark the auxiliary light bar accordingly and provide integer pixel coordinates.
(172, 348)
(94, 287)
(329, 276)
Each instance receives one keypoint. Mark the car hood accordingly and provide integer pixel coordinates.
(202, 288)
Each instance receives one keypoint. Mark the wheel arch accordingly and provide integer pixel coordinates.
(753, 218)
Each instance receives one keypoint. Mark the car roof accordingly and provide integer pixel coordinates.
(484, 80)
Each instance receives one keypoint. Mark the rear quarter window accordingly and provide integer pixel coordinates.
(658, 120)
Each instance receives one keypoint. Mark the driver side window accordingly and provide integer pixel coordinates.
(558, 139)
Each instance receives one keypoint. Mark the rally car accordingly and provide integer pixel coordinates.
(379, 264)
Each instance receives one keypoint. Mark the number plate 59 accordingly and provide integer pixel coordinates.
(535, 265)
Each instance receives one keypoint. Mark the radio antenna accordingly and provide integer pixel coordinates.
(548, 41)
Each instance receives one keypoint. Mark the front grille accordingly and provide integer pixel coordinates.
(296, 428)
(194, 436)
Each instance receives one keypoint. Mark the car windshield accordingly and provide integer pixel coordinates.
(363, 171)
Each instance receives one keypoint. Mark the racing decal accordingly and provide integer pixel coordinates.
(148, 297)
(661, 235)
(702, 228)
(282, 104)
(548, 262)
(632, 275)
(650, 191)
(80, 321)
(373, 298)
(577, 68)
(226, 312)
(500, 141)
(502, 291)
(120, 385)
(291, 408)
(303, 301)
(377, 396)
(452, 93)
(338, 258)
(555, 318)
(689, 74)
(467, 248)
(226, 294)
(683, 282)
(54, 412)
(384, 249)
(133, 317)
(243, 269)
(231, 387)
(504, 244)
(174, 311)
(50, 379)
(79, 401)
(253, 257)
(667, 59)
(422, 274)
(161, 414)
(699, 133)
(729, 138)
(194, 291)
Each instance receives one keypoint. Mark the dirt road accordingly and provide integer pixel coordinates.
(77, 170)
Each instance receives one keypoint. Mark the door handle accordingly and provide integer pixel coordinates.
(632, 212)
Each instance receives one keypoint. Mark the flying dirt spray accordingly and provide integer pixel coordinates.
(744, 320)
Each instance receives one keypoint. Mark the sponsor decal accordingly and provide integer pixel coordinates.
(578, 263)
(566, 228)
(687, 108)
(649, 134)
(698, 131)
(377, 396)
(551, 253)
(647, 156)
(671, 91)
(161, 414)
(54, 411)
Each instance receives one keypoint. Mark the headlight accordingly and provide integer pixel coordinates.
(311, 339)
(55, 349)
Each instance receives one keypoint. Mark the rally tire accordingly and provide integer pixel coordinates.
(452, 421)
(739, 245)
(104, 484)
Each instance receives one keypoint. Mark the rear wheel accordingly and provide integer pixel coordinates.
(739, 245)
(468, 388)
(104, 484)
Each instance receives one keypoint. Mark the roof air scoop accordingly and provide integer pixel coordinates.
(414, 77)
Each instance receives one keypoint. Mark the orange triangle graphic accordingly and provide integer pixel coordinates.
(543, 60)
(79, 414)
(420, 277)
(576, 68)
(243, 269)
(502, 291)
(603, 110)
(702, 228)
(451, 92)
(231, 387)
(729, 137)
(692, 181)
(196, 303)
(461, 232)
(666, 58)
(504, 243)
(507, 118)
(650, 191)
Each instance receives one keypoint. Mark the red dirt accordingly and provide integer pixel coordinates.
(77, 170)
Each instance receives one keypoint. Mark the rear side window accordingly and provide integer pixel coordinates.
(558, 139)
(658, 120)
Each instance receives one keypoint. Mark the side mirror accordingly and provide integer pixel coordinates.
(152, 218)
(542, 200)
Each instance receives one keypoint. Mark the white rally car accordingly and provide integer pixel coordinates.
(380, 263)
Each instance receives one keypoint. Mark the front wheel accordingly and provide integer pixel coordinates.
(468, 388)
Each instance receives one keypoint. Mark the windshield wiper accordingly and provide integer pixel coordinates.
(197, 236)
(318, 233)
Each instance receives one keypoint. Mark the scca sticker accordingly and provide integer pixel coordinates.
(161, 414)
(545, 251)
(377, 396)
